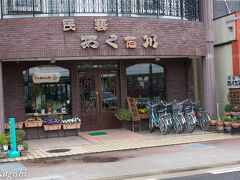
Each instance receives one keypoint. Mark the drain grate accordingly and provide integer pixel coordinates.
(58, 150)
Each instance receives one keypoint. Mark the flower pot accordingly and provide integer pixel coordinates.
(43, 111)
(235, 125)
(227, 113)
(227, 123)
(20, 147)
(5, 147)
(220, 123)
(29, 124)
(24, 153)
(72, 126)
(49, 110)
(213, 122)
(52, 127)
(144, 116)
(18, 125)
(235, 113)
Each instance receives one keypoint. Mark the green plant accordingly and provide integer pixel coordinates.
(234, 119)
(36, 91)
(3, 139)
(228, 107)
(43, 105)
(214, 118)
(123, 114)
(226, 119)
(28, 107)
(25, 145)
(235, 110)
(20, 134)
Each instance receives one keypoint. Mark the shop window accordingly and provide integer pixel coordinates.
(47, 90)
(145, 81)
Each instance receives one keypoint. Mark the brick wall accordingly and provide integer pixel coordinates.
(44, 37)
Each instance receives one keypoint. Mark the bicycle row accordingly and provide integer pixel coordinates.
(181, 116)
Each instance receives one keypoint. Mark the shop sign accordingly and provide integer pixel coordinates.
(233, 82)
(90, 41)
(50, 77)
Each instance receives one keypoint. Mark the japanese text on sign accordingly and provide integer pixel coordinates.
(233, 82)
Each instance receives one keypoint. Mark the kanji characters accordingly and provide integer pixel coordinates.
(68, 24)
(101, 24)
(89, 41)
(150, 41)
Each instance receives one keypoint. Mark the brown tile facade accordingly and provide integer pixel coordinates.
(44, 37)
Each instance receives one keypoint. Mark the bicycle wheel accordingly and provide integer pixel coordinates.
(151, 124)
(190, 123)
(169, 119)
(178, 126)
(163, 126)
(205, 122)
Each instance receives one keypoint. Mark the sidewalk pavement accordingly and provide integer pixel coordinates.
(115, 140)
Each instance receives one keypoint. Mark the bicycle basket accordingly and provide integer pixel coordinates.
(176, 108)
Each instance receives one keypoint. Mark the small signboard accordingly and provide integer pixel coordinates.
(50, 77)
(233, 82)
(133, 109)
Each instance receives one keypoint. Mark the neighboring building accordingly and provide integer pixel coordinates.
(227, 59)
(223, 7)
(153, 49)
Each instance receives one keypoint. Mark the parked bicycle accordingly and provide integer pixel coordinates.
(165, 119)
(153, 120)
(202, 116)
(177, 117)
(190, 116)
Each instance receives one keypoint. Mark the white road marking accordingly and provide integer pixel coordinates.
(227, 170)
(48, 178)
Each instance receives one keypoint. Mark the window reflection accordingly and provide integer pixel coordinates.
(47, 89)
(145, 81)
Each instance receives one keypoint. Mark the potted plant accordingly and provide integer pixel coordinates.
(49, 106)
(25, 148)
(18, 125)
(214, 121)
(43, 107)
(20, 135)
(73, 123)
(51, 124)
(4, 141)
(227, 120)
(235, 111)
(143, 113)
(228, 109)
(123, 114)
(36, 91)
(220, 124)
(33, 122)
(235, 124)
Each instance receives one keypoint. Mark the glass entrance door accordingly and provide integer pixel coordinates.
(99, 99)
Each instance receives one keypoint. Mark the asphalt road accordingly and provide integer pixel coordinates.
(209, 176)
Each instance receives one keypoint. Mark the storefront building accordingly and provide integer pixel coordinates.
(83, 58)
